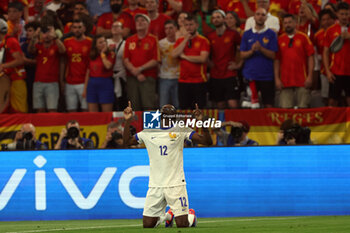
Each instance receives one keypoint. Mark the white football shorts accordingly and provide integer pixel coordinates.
(158, 198)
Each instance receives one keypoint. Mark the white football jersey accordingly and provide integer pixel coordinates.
(165, 152)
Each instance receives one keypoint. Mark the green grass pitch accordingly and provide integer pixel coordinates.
(312, 224)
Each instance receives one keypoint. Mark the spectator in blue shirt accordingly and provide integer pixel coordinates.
(97, 8)
(258, 48)
(70, 138)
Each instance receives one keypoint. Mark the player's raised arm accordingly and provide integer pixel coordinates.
(204, 138)
(128, 140)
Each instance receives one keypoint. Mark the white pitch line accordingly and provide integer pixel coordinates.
(139, 225)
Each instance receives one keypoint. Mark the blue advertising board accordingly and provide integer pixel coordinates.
(221, 182)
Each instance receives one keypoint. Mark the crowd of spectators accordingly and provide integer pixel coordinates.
(94, 55)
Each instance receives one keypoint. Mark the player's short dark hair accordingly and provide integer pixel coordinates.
(170, 21)
(342, 6)
(326, 12)
(288, 16)
(191, 17)
(34, 25)
(17, 5)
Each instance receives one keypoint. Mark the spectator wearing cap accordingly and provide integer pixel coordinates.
(157, 19)
(224, 43)
(258, 49)
(193, 52)
(105, 21)
(238, 135)
(336, 63)
(294, 66)
(271, 22)
(141, 59)
(12, 67)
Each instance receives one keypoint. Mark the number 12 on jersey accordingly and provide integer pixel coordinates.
(163, 150)
(183, 201)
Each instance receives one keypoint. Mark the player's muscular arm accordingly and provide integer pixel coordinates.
(128, 140)
(205, 138)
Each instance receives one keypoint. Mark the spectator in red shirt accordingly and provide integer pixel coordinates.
(278, 8)
(294, 65)
(193, 52)
(243, 8)
(308, 20)
(4, 8)
(15, 22)
(327, 19)
(157, 19)
(81, 12)
(99, 87)
(336, 64)
(12, 66)
(77, 58)
(223, 84)
(141, 58)
(36, 10)
(106, 20)
(294, 5)
(133, 8)
(46, 88)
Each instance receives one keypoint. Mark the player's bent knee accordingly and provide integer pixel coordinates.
(182, 221)
(149, 222)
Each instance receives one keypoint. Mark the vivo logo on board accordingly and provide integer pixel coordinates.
(72, 189)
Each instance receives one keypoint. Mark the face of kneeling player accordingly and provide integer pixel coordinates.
(168, 110)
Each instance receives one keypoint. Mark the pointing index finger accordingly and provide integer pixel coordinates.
(197, 108)
(129, 103)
